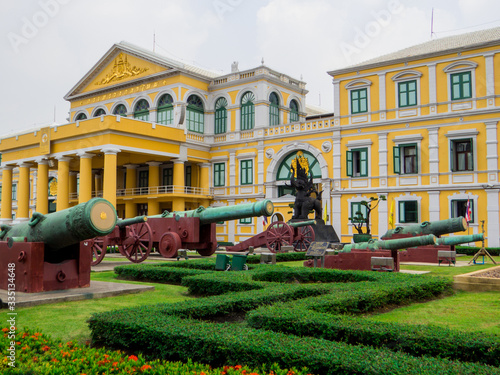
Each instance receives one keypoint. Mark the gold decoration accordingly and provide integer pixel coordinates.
(45, 141)
(53, 187)
(303, 162)
(121, 70)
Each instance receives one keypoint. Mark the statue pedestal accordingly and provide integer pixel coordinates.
(323, 232)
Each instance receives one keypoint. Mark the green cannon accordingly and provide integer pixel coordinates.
(436, 228)
(297, 224)
(53, 251)
(396, 244)
(64, 228)
(457, 240)
(216, 214)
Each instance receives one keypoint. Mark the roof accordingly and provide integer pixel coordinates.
(434, 47)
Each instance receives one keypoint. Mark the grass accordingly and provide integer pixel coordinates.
(68, 320)
(464, 311)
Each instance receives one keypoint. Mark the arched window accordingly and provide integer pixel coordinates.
(165, 111)
(220, 116)
(285, 173)
(81, 116)
(274, 109)
(195, 114)
(120, 110)
(141, 111)
(99, 112)
(294, 111)
(247, 111)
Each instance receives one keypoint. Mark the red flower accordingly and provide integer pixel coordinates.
(237, 367)
(45, 348)
(133, 358)
(54, 360)
(147, 367)
(5, 330)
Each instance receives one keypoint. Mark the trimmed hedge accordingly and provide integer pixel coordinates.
(469, 250)
(176, 338)
(171, 331)
(414, 339)
(280, 257)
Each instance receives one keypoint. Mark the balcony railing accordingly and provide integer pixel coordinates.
(154, 190)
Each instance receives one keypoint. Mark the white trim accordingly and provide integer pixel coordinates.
(406, 197)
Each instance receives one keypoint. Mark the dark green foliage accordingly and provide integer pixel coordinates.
(302, 305)
(280, 257)
(468, 250)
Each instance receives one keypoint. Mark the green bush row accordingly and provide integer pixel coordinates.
(414, 339)
(40, 354)
(280, 257)
(156, 273)
(177, 338)
(469, 250)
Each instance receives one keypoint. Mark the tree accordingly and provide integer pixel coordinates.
(358, 220)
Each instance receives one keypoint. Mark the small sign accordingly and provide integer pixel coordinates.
(317, 249)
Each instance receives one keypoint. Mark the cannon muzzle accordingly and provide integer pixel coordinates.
(216, 214)
(457, 240)
(437, 228)
(400, 243)
(134, 220)
(57, 230)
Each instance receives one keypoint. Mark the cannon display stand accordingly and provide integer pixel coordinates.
(34, 274)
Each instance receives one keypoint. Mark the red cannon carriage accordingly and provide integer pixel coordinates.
(298, 234)
(171, 231)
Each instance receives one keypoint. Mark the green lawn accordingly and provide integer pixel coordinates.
(67, 320)
(464, 310)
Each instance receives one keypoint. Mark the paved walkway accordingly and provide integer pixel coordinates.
(97, 289)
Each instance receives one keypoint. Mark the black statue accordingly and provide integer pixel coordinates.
(304, 187)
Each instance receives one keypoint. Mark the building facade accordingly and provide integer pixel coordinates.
(148, 133)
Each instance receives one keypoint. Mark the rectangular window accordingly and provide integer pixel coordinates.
(219, 174)
(14, 192)
(405, 159)
(274, 115)
(461, 85)
(407, 93)
(359, 101)
(246, 170)
(358, 207)
(247, 220)
(187, 177)
(459, 208)
(143, 179)
(408, 211)
(461, 156)
(357, 162)
(168, 177)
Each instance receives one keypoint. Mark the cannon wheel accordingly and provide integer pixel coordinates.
(138, 242)
(169, 244)
(278, 234)
(208, 251)
(99, 247)
(305, 235)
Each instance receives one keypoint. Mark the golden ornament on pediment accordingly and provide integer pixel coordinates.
(121, 70)
(53, 187)
(302, 160)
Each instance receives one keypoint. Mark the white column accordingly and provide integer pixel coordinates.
(336, 219)
(433, 157)
(260, 168)
(231, 224)
(491, 151)
(492, 222)
(434, 212)
(383, 216)
(232, 172)
(432, 87)
(490, 79)
(337, 159)
(382, 95)
(383, 163)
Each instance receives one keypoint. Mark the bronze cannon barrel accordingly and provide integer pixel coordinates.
(134, 220)
(297, 224)
(457, 240)
(437, 228)
(396, 244)
(60, 229)
(226, 213)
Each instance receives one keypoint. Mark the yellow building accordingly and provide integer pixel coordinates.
(150, 134)
(421, 126)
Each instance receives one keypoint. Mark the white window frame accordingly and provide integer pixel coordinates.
(356, 85)
(461, 67)
(405, 76)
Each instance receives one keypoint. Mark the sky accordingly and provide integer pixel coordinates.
(47, 46)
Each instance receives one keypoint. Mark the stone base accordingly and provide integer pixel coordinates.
(324, 233)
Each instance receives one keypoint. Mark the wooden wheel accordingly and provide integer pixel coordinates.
(137, 243)
(212, 246)
(169, 244)
(99, 247)
(305, 235)
(278, 234)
